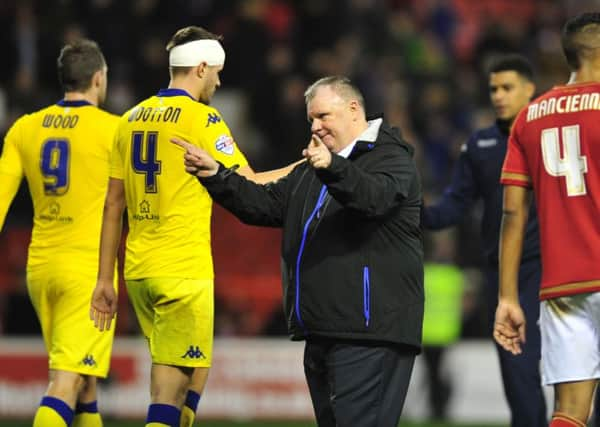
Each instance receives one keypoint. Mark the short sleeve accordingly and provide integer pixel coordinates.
(515, 170)
(116, 159)
(10, 162)
(11, 169)
(219, 143)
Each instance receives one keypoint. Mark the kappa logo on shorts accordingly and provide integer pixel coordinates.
(194, 353)
(213, 118)
(224, 144)
(88, 360)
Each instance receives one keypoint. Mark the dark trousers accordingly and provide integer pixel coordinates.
(439, 387)
(521, 374)
(357, 384)
(595, 421)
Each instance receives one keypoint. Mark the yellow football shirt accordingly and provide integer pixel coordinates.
(168, 210)
(64, 153)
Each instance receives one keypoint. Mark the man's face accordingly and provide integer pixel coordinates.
(211, 83)
(509, 93)
(331, 118)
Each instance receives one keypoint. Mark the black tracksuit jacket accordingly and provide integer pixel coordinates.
(352, 257)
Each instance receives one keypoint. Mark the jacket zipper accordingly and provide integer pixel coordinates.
(366, 295)
(320, 201)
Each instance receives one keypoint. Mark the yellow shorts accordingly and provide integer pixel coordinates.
(62, 303)
(176, 316)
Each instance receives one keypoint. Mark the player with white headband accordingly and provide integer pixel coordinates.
(168, 264)
(193, 53)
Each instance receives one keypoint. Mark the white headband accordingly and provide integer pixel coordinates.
(193, 53)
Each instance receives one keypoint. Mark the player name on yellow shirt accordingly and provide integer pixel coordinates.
(155, 114)
(58, 121)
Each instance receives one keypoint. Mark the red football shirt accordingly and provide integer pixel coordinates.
(554, 147)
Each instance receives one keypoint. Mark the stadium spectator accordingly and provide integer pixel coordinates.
(352, 253)
(63, 151)
(477, 177)
(554, 149)
(168, 266)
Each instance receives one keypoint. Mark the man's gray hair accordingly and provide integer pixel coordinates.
(340, 85)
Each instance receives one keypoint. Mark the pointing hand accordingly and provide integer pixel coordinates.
(317, 154)
(197, 161)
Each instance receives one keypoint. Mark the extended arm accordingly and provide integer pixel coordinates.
(252, 203)
(104, 298)
(509, 326)
(267, 176)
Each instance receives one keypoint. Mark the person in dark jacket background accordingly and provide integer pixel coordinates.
(352, 257)
(477, 176)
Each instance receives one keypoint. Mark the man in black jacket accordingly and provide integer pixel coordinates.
(352, 259)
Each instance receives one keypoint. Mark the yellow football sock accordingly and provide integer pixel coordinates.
(53, 412)
(86, 415)
(188, 412)
(187, 417)
(86, 419)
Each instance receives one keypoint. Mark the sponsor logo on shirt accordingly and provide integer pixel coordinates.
(224, 144)
(52, 213)
(145, 213)
(485, 143)
(144, 206)
(54, 208)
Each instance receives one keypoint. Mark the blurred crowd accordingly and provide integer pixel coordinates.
(420, 62)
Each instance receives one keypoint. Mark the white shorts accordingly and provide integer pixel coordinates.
(570, 328)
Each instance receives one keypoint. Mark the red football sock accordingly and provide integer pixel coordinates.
(563, 420)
